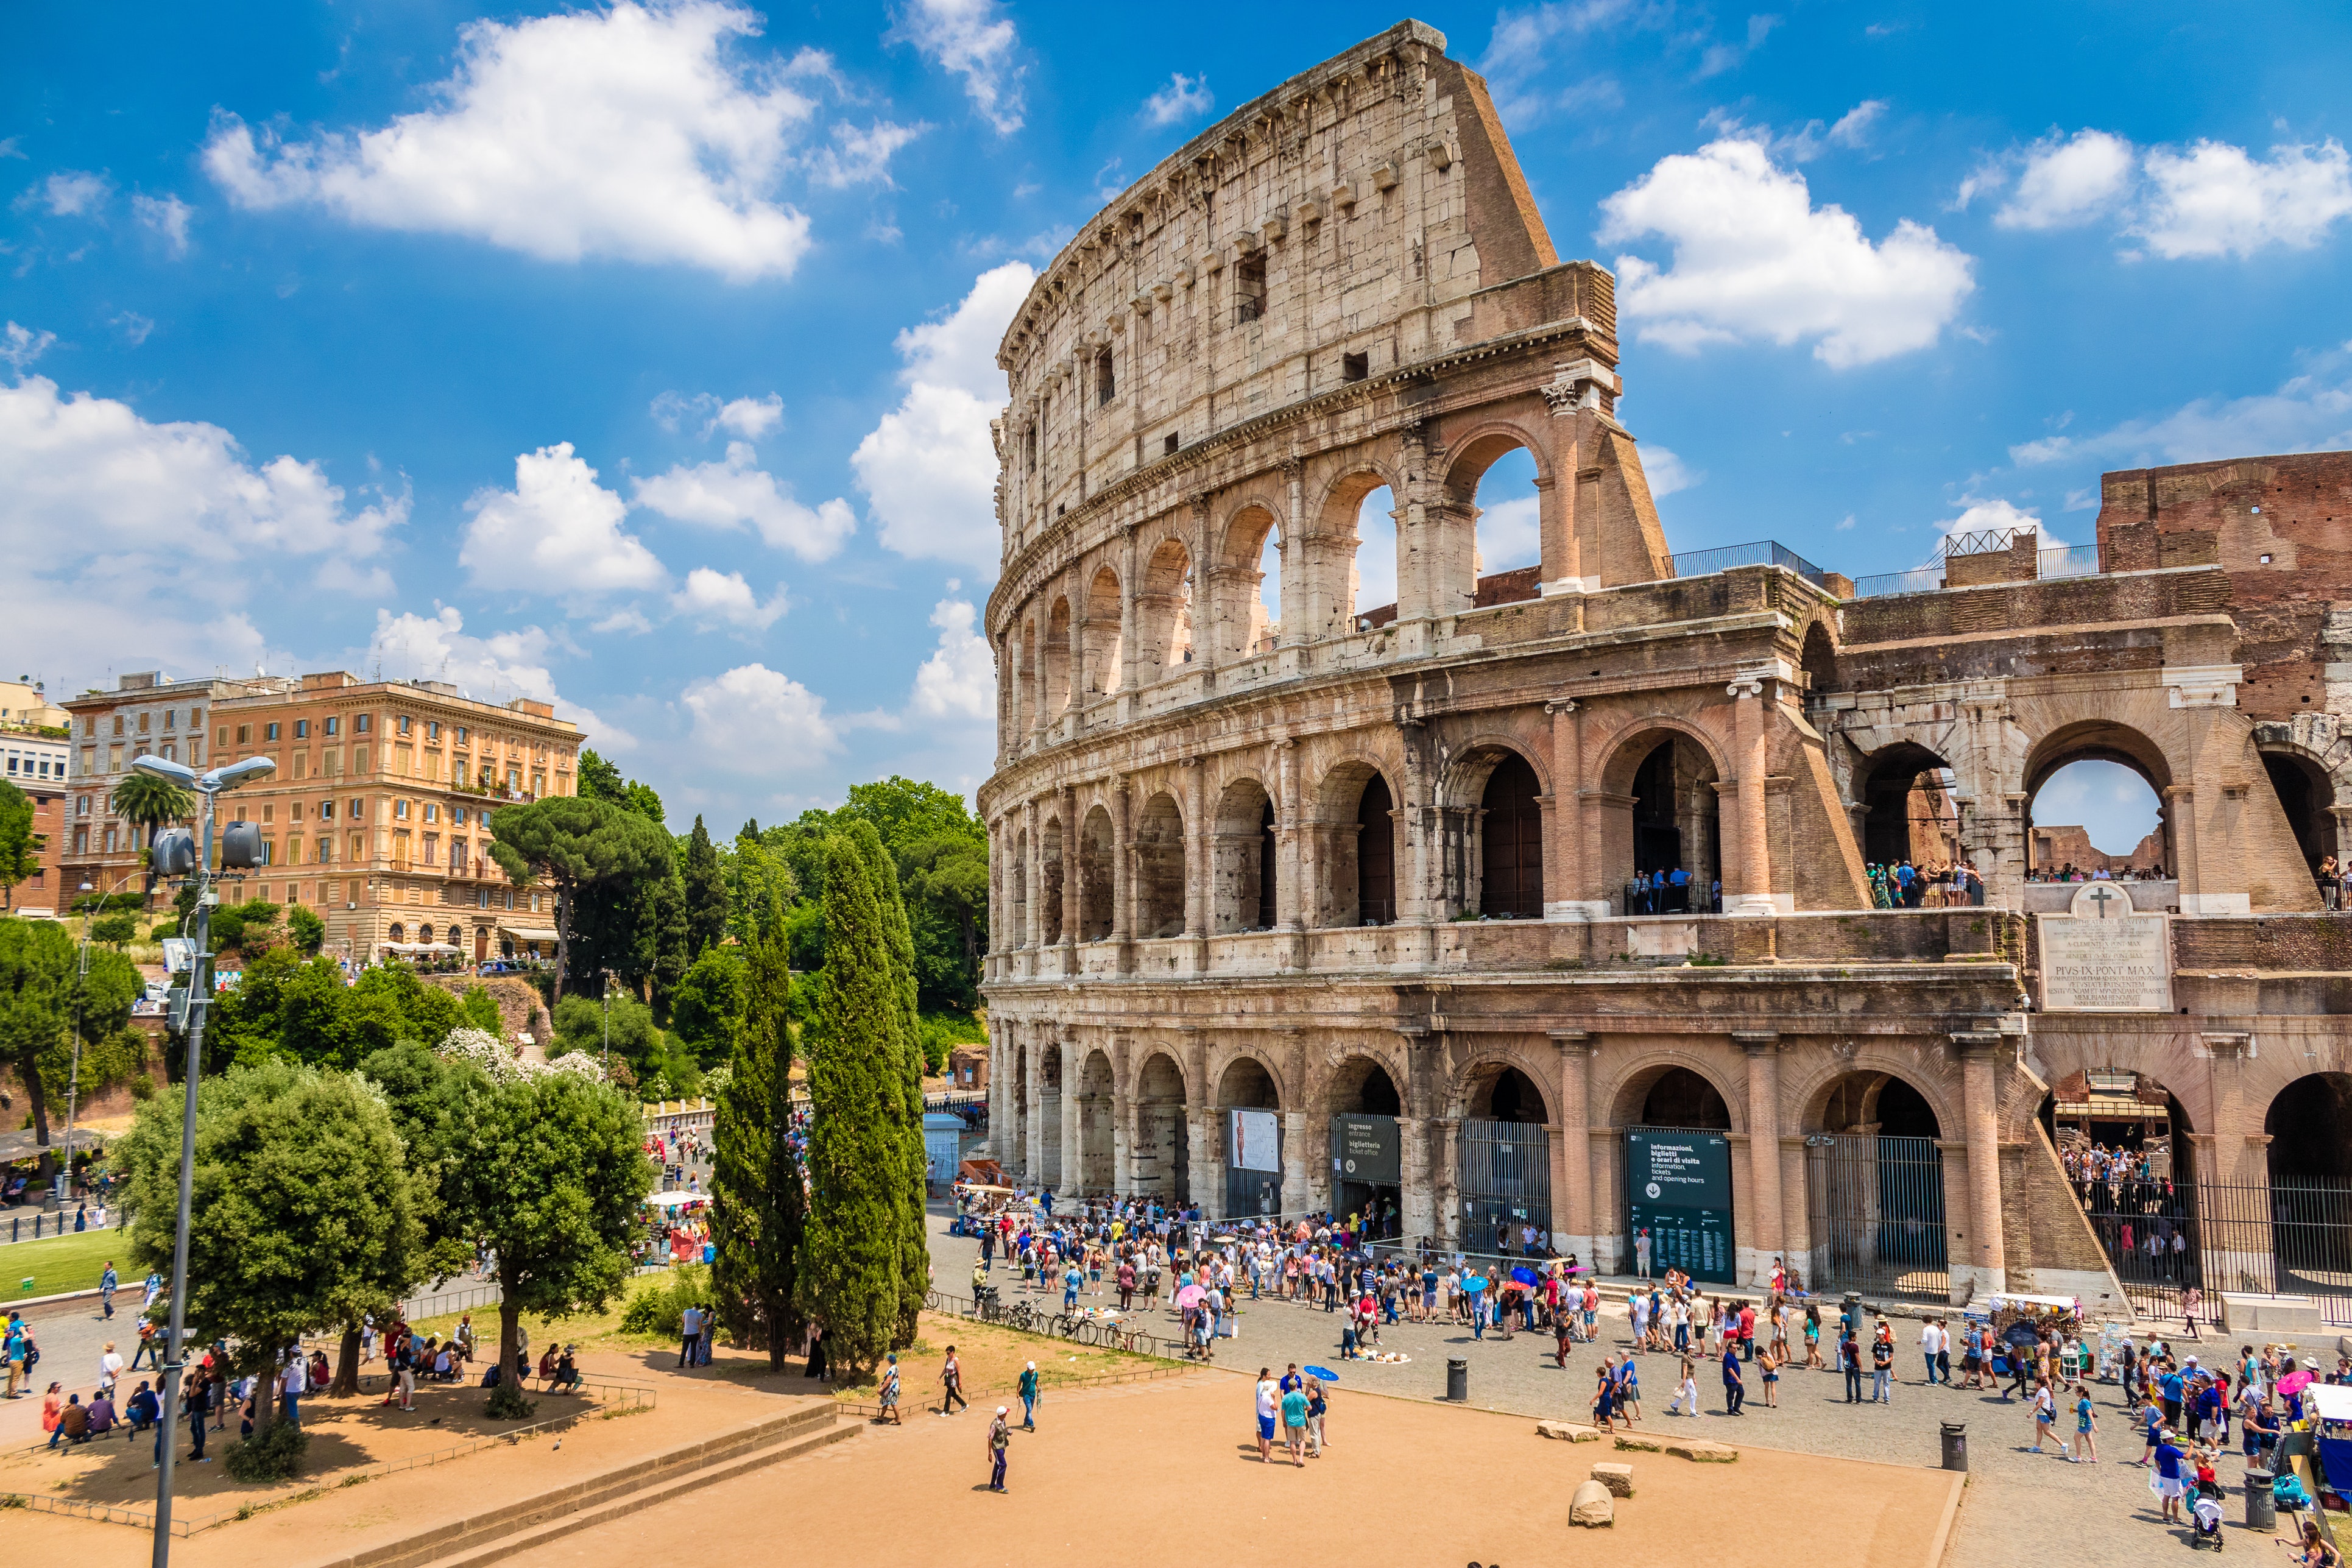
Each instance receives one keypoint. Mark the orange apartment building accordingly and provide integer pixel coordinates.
(377, 816)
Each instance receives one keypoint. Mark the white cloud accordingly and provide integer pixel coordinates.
(70, 192)
(714, 600)
(20, 346)
(557, 531)
(135, 539)
(737, 491)
(167, 216)
(958, 680)
(1668, 473)
(928, 468)
(1184, 98)
(973, 40)
(1753, 258)
(2308, 413)
(633, 132)
(754, 720)
(2068, 183)
(2215, 200)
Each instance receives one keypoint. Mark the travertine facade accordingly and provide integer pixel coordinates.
(1330, 862)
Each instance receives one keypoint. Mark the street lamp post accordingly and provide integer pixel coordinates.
(178, 852)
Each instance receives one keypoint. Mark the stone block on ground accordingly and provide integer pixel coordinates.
(1618, 1479)
(1639, 1442)
(1567, 1432)
(1593, 1506)
(1700, 1451)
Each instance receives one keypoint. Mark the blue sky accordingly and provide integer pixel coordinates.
(641, 358)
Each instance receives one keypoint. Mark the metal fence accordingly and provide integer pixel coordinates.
(1759, 553)
(2289, 1237)
(1505, 1183)
(1875, 1208)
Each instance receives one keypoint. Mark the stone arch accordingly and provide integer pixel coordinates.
(1054, 662)
(1659, 808)
(1050, 881)
(1244, 869)
(1164, 612)
(1355, 836)
(1908, 811)
(1160, 868)
(1097, 1159)
(1630, 1098)
(1102, 636)
(1097, 855)
(1237, 609)
(1161, 1153)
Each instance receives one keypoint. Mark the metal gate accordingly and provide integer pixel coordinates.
(1505, 1184)
(1875, 1213)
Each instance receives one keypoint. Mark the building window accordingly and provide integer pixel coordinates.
(334, 725)
(302, 729)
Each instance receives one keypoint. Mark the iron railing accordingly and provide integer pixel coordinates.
(1758, 552)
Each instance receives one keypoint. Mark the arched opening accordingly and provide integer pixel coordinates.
(1498, 558)
(1053, 659)
(1095, 859)
(1874, 1190)
(1909, 814)
(1250, 1107)
(1661, 825)
(1047, 1159)
(1021, 936)
(1162, 1155)
(1682, 1098)
(1355, 849)
(2095, 803)
(1248, 603)
(1367, 1146)
(1160, 868)
(2305, 794)
(1164, 614)
(1510, 842)
(1097, 1167)
(2310, 1128)
(1243, 866)
(1101, 634)
(1504, 1181)
(2125, 1142)
(1049, 883)
(1819, 660)
(1374, 600)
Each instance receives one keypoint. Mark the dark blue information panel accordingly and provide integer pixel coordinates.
(1678, 1188)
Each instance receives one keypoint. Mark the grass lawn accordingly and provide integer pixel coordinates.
(61, 1263)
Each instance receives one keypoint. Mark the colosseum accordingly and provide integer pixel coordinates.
(1333, 908)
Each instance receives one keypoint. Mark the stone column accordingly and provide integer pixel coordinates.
(1986, 1257)
(1564, 879)
(1572, 1213)
(1749, 752)
(1764, 1228)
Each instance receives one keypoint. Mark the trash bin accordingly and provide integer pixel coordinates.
(1956, 1446)
(1457, 1380)
(2262, 1504)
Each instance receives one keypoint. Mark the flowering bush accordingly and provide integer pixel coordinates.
(485, 1051)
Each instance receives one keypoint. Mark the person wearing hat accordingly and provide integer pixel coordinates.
(1000, 1438)
(1029, 1398)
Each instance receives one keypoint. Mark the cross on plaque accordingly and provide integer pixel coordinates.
(2102, 897)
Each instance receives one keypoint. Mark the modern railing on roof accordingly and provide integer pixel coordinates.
(1761, 553)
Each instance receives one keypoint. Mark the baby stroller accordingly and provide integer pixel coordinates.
(2205, 1515)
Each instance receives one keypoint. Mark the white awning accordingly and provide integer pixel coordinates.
(528, 934)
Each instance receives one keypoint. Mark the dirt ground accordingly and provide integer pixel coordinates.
(1156, 1470)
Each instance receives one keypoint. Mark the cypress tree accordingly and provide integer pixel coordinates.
(914, 1233)
(706, 893)
(759, 1207)
(850, 1268)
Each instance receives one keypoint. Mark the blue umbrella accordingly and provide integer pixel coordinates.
(1324, 1372)
(1525, 1276)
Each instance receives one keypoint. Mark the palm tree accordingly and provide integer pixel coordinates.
(148, 803)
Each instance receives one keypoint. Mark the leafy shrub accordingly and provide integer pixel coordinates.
(272, 1454)
(659, 1308)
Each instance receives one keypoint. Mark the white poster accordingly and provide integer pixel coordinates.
(1253, 1140)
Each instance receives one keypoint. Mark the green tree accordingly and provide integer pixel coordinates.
(705, 880)
(709, 1005)
(148, 803)
(914, 1231)
(851, 1269)
(759, 1202)
(20, 847)
(43, 995)
(305, 1211)
(552, 1174)
(574, 843)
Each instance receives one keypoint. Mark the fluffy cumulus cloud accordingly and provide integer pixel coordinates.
(1184, 98)
(928, 468)
(757, 721)
(713, 601)
(958, 680)
(2310, 413)
(2210, 199)
(1753, 258)
(644, 132)
(973, 40)
(134, 538)
(557, 531)
(737, 491)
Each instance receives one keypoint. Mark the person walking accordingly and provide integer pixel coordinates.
(951, 1385)
(1029, 1398)
(1000, 1439)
